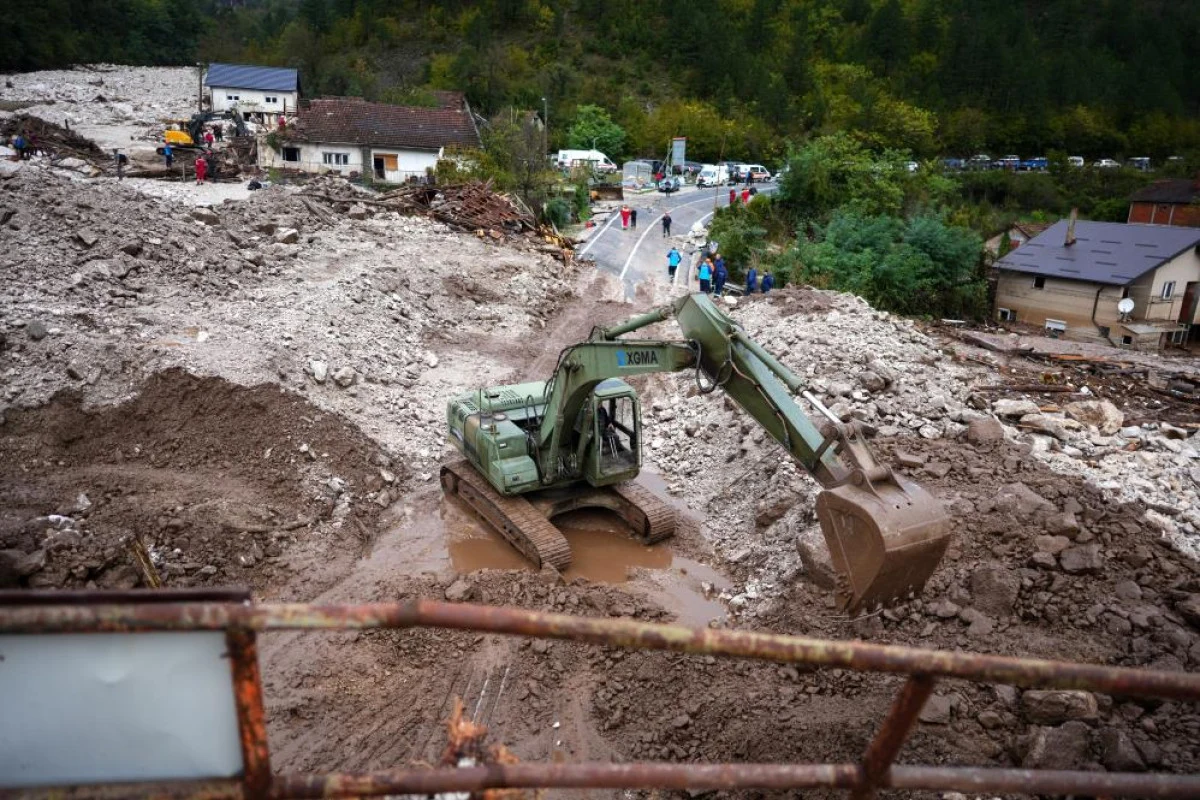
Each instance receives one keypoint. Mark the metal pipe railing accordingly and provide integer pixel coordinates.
(862, 656)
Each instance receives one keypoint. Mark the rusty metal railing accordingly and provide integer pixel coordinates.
(25, 613)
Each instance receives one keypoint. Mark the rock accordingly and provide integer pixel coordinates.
(1100, 414)
(1118, 753)
(287, 236)
(1061, 524)
(1055, 706)
(1020, 500)
(994, 589)
(1128, 590)
(1083, 559)
(990, 720)
(1043, 423)
(814, 554)
(840, 389)
(431, 360)
(1043, 561)
(132, 248)
(985, 430)
(937, 709)
(460, 591)
(980, 624)
(871, 381)
(1189, 609)
(344, 377)
(910, 460)
(1058, 748)
(772, 509)
(1051, 544)
(87, 238)
(36, 331)
(357, 212)
(319, 370)
(944, 609)
(1015, 408)
(206, 215)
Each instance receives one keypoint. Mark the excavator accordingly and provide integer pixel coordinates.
(533, 451)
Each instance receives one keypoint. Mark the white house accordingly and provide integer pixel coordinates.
(382, 142)
(269, 91)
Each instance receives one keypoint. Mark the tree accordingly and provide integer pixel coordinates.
(593, 127)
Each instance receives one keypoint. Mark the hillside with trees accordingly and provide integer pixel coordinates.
(738, 77)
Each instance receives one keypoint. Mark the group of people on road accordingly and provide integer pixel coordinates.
(747, 193)
(713, 273)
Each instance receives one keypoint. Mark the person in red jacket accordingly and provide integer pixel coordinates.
(732, 197)
(746, 196)
(201, 170)
(625, 211)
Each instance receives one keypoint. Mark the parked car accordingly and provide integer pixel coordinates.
(1075, 161)
(911, 166)
(981, 161)
(712, 175)
(1106, 163)
(1140, 163)
(670, 184)
(1008, 162)
(953, 163)
(1039, 164)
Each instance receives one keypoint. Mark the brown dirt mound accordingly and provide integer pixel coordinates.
(219, 480)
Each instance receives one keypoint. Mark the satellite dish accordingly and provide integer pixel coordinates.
(1126, 305)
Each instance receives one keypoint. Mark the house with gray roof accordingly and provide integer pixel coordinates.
(1128, 285)
(268, 91)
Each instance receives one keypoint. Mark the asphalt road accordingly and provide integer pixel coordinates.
(640, 254)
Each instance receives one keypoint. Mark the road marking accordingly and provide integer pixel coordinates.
(658, 220)
(611, 219)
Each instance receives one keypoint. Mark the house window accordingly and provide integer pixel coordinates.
(291, 154)
(1126, 340)
(233, 97)
(336, 159)
(1168, 290)
(1124, 292)
(271, 100)
(1039, 283)
(1007, 314)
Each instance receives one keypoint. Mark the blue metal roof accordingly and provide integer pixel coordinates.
(243, 76)
(1115, 253)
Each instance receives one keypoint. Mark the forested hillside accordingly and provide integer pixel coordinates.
(1093, 77)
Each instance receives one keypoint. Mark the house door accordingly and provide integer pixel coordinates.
(1191, 297)
(379, 170)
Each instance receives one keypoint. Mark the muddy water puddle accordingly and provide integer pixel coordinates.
(453, 536)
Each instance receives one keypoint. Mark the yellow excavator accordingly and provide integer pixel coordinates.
(535, 450)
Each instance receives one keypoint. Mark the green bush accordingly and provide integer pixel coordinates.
(557, 212)
(917, 267)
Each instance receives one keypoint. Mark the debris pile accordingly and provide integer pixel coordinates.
(470, 207)
(54, 140)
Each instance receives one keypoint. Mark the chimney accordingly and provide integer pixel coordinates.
(1071, 228)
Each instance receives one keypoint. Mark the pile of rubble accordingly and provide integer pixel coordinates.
(48, 138)
(104, 94)
(471, 207)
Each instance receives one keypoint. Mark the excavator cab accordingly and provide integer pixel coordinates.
(616, 434)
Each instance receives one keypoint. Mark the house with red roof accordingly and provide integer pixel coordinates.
(379, 141)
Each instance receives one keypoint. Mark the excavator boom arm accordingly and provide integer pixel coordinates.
(886, 535)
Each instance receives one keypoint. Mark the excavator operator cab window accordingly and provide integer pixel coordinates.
(616, 428)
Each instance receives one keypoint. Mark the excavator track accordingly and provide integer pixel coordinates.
(514, 518)
(661, 518)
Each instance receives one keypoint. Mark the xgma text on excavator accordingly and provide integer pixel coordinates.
(536, 450)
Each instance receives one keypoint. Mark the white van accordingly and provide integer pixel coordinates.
(1075, 161)
(712, 175)
(569, 159)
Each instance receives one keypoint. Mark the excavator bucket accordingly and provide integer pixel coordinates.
(885, 539)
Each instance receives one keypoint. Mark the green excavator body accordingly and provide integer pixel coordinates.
(563, 440)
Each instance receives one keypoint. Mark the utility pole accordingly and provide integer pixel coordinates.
(545, 127)
(199, 86)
